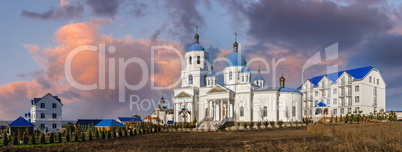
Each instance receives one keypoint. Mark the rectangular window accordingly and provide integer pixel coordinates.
(370, 79)
(328, 101)
(54, 125)
(349, 101)
(357, 109)
(316, 93)
(54, 105)
(54, 115)
(342, 111)
(349, 110)
(357, 88)
(335, 91)
(375, 91)
(378, 81)
(335, 101)
(42, 105)
(305, 112)
(357, 99)
(335, 111)
(375, 101)
(42, 115)
(343, 102)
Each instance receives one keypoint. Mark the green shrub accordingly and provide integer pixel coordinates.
(68, 137)
(5, 139)
(59, 138)
(15, 140)
(251, 125)
(280, 123)
(245, 125)
(82, 137)
(33, 139)
(42, 139)
(51, 138)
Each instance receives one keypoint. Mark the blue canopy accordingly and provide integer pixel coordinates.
(170, 122)
(321, 104)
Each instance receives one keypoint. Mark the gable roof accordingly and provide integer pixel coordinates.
(358, 73)
(20, 122)
(86, 122)
(183, 94)
(219, 88)
(109, 123)
(36, 100)
(129, 119)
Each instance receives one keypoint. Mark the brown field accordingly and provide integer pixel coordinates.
(334, 137)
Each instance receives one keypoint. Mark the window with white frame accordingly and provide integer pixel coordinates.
(357, 99)
(357, 88)
(241, 111)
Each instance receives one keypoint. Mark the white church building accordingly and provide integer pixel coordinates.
(345, 92)
(242, 97)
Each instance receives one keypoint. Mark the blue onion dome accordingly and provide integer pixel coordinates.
(236, 59)
(196, 47)
(244, 70)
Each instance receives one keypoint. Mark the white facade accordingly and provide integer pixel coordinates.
(238, 99)
(361, 90)
(46, 113)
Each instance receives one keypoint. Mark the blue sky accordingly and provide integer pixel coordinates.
(36, 35)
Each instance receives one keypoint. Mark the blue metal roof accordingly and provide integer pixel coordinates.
(1, 126)
(170, 122)
(244, 70)
(86, 122)
(236, 59)
(259, 77)
(109, 123)
(20, 122)
(196, 47)
(184, 109)
(289, 90)
(321, 104)
(129, 119)
(358, 73)
(211, 74)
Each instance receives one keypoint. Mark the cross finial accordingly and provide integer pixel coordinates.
(282, 72)
(196, 29)
(235, 36)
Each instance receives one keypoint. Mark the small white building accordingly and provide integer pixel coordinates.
(46, 113)
(337, 94)
(162, 115)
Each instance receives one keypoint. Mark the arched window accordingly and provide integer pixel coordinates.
(209, 82)
(241, 111)
(265, 111)
(190, 59)
(230, 75)
(190, 80)
(238, 75)
(198, 59)
(242, 78)
(294, 111)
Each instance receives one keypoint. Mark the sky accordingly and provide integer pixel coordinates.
(38, 37)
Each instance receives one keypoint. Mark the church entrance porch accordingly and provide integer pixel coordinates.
(219, 109)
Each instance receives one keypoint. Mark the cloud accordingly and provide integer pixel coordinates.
(103, 8)
(137, 8)
(85, 70)
(313, 24)
(66, 10)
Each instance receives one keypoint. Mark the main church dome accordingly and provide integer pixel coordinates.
(236, 59)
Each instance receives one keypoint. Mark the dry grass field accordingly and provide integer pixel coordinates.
(331, 137)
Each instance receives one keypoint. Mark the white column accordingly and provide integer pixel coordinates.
(221, 108)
